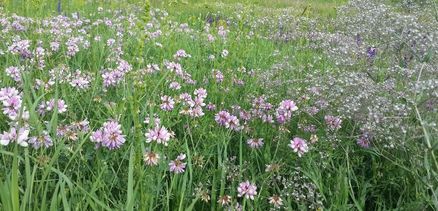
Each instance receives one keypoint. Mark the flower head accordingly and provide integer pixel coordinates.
(159, 134)
(177, 166)
(247, 190)
(299, 146)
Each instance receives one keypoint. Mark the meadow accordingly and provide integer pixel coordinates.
(218, 105)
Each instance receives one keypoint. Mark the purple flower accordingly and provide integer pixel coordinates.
(109, 135)
(43, 140)
(255, 143)
(167, 103)
(201, 93)
(21, 48)
(247, 190)
(14, 73)
(364, 140)
(177, 166)
(211, 107)
(60, 104)
(299, 146)
(284, 111)
(112, 135)
(20, 136)
(371, 52)
(174, 85)
(222, 118)
(159, 134)
(333, 122)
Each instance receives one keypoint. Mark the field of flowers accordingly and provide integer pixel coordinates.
(187, 105)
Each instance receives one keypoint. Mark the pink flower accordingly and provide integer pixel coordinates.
(222, 118)
(299, 146)
(62, 107)
(333, 122)
(43, 140)
(20, 136)
(159, 134)
(364, 140)
(247, 189)
(284, 111)
(255, 143)
(174, 85)
(112, 135)
(109, 135)
(201, 93)
(167, 103)
(177, 166)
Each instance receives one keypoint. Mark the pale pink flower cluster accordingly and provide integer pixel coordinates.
(227, 120)
(14, 73)
(284, 111)
(159, 134)
(112, 77)
(11, 99)
(193, 106)
(177, 166)
(333, 122)
(299, 146)
(109, 135)
(247, 190)
(18, 135)
(167, 103)
(50, 106)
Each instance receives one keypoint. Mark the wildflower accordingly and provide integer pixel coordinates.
(14, 73)
(156, 120)
(167, 103)
(181, 54)
(218, 76)
(364, 140)
(284, 111)
(177, 166)
(159, 134)
(211, 107)
(299, 146)
(288, 105)
(151, 158)
(233, 123)
(175, 85)
(42, 140)
(276, 201)
(224, 200)
(255, 143)
(201, 93)
(371, 52)
(247, 189)
(224, 53)
(109, 135)
(222, 118)
(210, 38)
(21, 48)
(20, 136)
(11, 106)
(333, 122)
(60, 104)
(112, 135)
(97, 137)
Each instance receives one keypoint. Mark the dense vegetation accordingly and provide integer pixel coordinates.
(250, 105)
